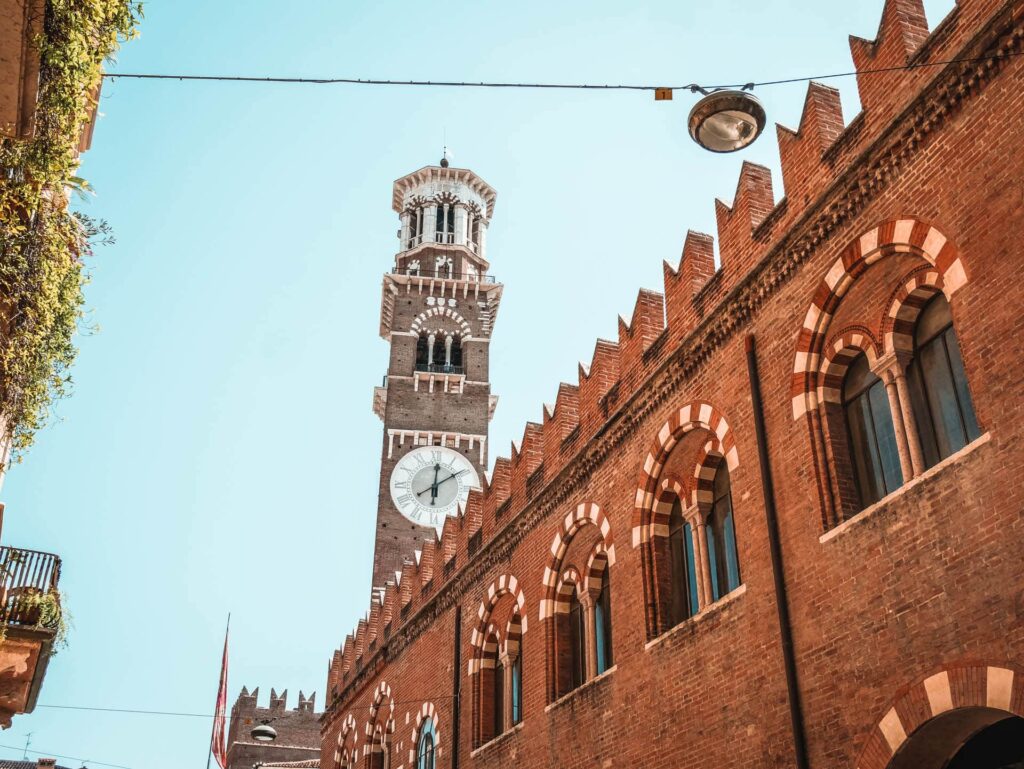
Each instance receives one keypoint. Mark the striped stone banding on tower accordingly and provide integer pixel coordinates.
(697, 415)
(506, 584)
(902, 236)
(442, 312)
(585, 514)
(996, 687)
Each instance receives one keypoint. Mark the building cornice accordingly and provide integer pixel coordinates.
(867, 175)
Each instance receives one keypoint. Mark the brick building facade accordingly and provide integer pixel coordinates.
(778, 522)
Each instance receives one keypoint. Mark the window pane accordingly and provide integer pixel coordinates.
(922, 414)
(956, 363)
(577, 638)
(866, 464)
(603, 622)
(681, 556)
(499, 699)
(517, 688)
(732, 560)
(885, 434)
(709, 532)
(691, 570)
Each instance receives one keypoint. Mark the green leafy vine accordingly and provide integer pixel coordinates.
(42, 243)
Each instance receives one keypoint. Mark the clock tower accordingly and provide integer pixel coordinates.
(438, 307)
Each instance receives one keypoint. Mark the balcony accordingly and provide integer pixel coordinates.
(439, 368)
(472, 277)
(31, 622)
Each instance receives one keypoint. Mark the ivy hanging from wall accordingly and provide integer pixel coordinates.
(42, 243)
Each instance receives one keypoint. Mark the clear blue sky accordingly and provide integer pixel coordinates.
(219, 453)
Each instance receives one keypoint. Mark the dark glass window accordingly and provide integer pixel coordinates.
(603, 625)
(499, 698)
(577, 642)
(723, 559)
(422, 351)
(876, 462)
(425, 749)
(942, 402)
(684, 572)
(517, 686)
(456, 352)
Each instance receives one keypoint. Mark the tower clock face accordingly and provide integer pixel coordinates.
(428, 483)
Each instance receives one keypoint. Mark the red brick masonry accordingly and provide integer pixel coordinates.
(908, 609)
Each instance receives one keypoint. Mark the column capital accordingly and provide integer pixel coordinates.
(697, 513)
(891, 365)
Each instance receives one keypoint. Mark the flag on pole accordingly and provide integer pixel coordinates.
(218, 740)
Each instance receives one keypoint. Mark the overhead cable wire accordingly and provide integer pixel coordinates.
(553, 86)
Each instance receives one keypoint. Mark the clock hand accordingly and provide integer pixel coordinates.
(453, 475)
(433, 488)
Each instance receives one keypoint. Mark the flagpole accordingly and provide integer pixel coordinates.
(213, 727)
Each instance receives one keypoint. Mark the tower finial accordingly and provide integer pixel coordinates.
(445, 156)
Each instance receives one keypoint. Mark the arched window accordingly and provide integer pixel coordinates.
(942, 400)
(577, 651)
(684, 567)
(425, 747)
(445, 223)
(516, 681)
(876, 461)
(603, 625)
(415, 230)
(723, 560)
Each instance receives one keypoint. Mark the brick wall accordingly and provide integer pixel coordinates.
(925, 582)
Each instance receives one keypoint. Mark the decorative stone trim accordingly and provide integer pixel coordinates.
(584, 514)
(909, 300)
(427, 712)
(903, 236)
(986, 686)
(506, 584)
(692, 416)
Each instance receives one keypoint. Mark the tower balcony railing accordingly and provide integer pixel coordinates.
(440, 368)
(472, 277)
(445, 238)
(25, 577)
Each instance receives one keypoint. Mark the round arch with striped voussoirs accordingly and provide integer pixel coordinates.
(899, 236)
(584, 514)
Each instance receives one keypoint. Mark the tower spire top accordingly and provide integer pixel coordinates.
(445, 156)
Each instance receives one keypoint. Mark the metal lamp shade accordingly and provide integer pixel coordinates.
(726, 121)
(263, 733)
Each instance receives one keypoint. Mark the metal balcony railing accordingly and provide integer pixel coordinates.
(439, 368)
(473, 277)
(25, 574)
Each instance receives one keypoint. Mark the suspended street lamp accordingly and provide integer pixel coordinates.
(263, 732)
(726, 120)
